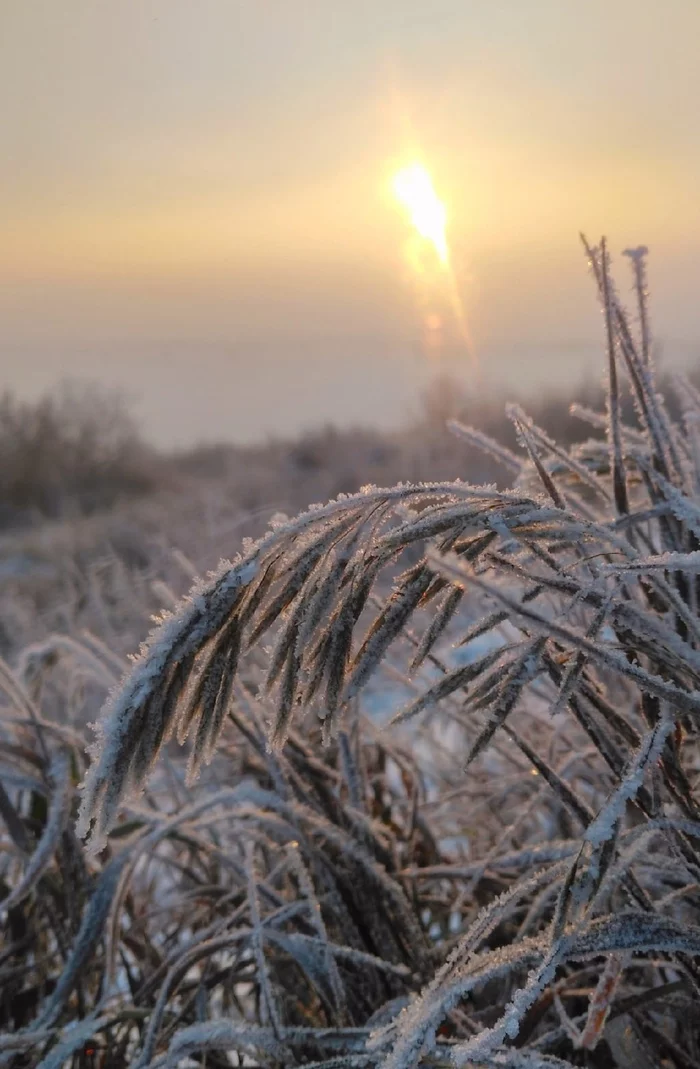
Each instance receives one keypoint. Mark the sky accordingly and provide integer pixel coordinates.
(196, 208)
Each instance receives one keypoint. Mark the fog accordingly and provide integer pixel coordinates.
(195, 203)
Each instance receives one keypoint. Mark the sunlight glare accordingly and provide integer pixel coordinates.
(413, 188)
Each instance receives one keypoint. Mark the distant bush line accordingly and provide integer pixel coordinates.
(79, 450)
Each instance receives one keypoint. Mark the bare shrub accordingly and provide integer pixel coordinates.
(72, 452)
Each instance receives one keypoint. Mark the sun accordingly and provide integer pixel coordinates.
(414, 190)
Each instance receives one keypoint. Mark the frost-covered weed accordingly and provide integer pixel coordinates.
(510, 877)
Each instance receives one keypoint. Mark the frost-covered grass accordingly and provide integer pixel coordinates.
(508, 874)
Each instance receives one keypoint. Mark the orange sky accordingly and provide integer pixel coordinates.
(191, 186)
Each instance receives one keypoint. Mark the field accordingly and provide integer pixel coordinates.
(410, 778)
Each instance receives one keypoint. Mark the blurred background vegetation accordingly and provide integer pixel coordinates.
(79, 451)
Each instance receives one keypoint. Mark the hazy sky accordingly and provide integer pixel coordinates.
(195, 195)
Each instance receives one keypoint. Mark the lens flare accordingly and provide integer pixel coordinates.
(414, 190)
